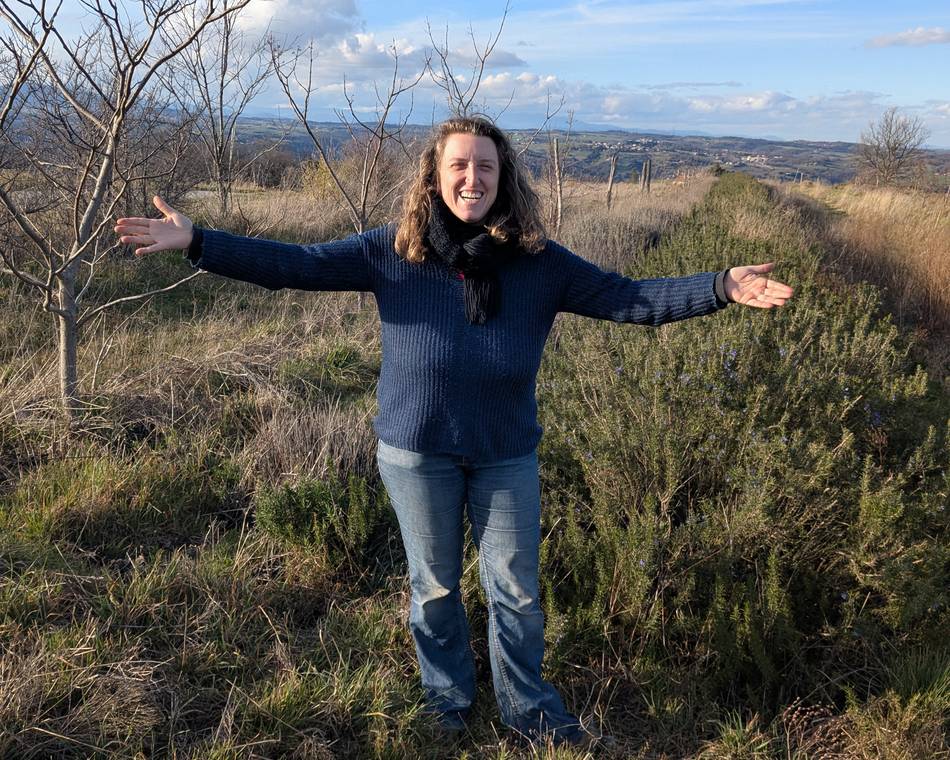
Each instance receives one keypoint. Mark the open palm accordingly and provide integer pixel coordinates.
(172, 232)
(751, 286)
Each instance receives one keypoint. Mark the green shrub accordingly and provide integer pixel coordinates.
(339, 517)
(751, 500)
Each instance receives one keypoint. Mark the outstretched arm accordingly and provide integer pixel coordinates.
(173, 231)
(593, 292)
(337, 265)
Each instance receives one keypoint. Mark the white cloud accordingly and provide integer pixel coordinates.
(302, 20)
(914, 37)
(365, 51)
(762, 101)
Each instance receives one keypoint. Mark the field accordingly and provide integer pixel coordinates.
(745, 545)
(901, 241)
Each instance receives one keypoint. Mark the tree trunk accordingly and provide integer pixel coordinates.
(558, 189)
(361, 296)
(68, 341)
(610, 179)
(224, 195)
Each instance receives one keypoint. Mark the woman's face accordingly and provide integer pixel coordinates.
(468, 176)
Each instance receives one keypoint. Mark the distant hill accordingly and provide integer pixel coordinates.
(589, 151)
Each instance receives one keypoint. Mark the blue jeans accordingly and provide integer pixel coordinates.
(430, 493)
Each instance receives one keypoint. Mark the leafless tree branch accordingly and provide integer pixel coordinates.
(460, 99)
(137, 297)
(891, 145)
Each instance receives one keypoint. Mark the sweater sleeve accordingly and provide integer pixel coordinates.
(592, 292)
(338, 265)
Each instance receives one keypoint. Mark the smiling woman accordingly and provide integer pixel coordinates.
(468, 176)
(467, 288)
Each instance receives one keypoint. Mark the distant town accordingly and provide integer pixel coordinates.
(586, 154)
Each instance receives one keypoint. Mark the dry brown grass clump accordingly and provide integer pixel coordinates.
(636, 221)
(897, 239)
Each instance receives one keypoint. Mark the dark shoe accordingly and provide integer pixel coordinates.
(452, 721)
(590, 740)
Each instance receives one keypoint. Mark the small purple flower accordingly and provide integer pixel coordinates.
(589, 457)
(782, 353)
(844, 596)
(643, 563)
(619, 370)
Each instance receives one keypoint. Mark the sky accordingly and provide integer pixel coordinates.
(778, 69)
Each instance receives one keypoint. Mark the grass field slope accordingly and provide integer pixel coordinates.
(899, 239)
(744, 547)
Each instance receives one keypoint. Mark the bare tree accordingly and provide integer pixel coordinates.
(555, 174)
(375, 144)
(891, 146)
(610, 177)
(557, 182)
(461, 91)
(219, 75)
(68, 121)
(361, 192)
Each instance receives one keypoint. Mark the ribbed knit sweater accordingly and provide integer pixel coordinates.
(448, 386)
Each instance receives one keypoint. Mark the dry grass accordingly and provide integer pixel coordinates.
(899, 240)
(635, 224)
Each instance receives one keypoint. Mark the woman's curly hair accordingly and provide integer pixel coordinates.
(515, 215)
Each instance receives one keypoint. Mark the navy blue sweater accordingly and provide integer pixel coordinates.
(448, 386)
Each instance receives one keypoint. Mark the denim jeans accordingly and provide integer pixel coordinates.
(430, 493)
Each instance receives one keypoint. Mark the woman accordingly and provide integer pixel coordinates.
(467, 288)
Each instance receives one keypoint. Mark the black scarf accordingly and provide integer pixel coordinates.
(472, 251)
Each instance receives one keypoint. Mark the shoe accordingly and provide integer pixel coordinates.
(452, 721)
(585, 739)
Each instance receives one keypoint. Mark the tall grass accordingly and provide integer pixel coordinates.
(898, 239)
(744, 519)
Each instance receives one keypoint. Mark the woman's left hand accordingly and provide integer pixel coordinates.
(751, 286)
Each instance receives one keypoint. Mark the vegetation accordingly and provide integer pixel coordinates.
(745, 520)
(891, 146)
(898, 239)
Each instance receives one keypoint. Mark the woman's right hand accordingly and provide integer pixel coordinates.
(172, 232)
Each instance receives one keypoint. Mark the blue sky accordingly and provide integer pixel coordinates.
(789, 69)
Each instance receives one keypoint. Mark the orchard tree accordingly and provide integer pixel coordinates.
(218, 75)
(375, 141)
(72, 118)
